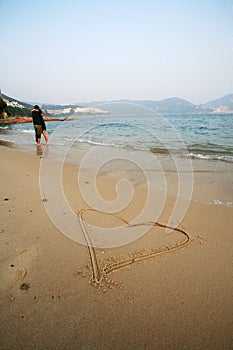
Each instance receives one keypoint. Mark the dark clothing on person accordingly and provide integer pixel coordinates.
(38, 131)
(38, 122)
(37, 116)
(43, 124)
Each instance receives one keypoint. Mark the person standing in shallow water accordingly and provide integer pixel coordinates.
(39, 124)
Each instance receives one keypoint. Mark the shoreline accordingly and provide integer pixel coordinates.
(215, 172)
(181, 298)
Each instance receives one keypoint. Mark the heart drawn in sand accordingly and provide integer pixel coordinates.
(161, 244)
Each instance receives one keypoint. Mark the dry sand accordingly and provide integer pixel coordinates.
(180, 299)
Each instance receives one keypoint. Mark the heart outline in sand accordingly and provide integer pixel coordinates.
(99, 274)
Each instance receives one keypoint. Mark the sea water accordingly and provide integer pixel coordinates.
(202, 136)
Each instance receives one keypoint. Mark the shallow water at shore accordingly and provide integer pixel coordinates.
(196, 151)
(205, 181)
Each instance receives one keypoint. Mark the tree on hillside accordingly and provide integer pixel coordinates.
(3, 105)
(18, 112)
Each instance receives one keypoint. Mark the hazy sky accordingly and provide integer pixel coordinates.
(84, 50)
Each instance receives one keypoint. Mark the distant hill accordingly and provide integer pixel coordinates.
(221, 105)
(175, 105)
(16, 108)
(172, 105)
(13, 101)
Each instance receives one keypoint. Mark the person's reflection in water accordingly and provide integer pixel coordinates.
(39, 150)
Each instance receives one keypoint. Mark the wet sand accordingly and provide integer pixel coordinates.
(173, 292)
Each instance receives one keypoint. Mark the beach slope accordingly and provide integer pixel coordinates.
(178, 300)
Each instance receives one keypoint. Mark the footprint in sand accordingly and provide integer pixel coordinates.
(14, 270)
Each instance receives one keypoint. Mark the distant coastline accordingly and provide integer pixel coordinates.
(168, 106)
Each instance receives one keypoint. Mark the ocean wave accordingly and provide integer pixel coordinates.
(129, 146)
(6, 142)
(160, 150)
(221, 157)
(27, 131)
(219, 202)
(97, 143)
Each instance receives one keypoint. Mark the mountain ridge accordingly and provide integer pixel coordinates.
(176, 105)
(170, 105)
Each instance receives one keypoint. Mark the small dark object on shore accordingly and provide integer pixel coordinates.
(24, 286)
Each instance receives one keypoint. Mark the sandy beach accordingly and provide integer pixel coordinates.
(158, 292)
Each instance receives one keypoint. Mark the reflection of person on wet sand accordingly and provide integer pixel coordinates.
(39, 124)
(39, 150)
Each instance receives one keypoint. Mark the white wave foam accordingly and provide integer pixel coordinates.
(116, 145)
(28, 131)
(219, 202)
(98, 143)
(226, 158)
